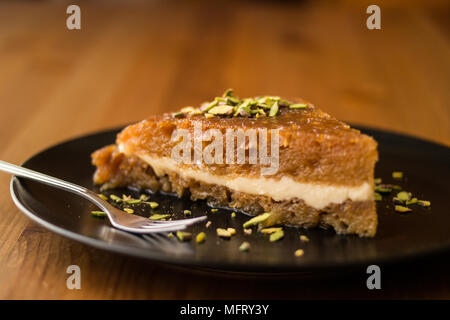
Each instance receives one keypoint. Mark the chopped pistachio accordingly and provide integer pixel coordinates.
(304, 238)
(152, 204)
(233, 214)
(299, 252)
(424, 203)
(276, 235)
(170, 235)
(402, 209)
(245, 246)
(412, 201)
(270, 230)
(378, 196)
(228, 93)
(214, 210)
(188, 109)
(184, 236)
(397, 200)
(396, 187)
(232, 101)
(143, 197)
(208, 224)
(187, 212)
(115, 198)
(298, 106)
(208, 106)
(377, 180)
(223, 233)
(133, 201)
(256, 220)
(397, 175)
(222, 110)
(383, 188)
(209, 115)
(103, 196)
(248, 231)
(404, 196)
(98, 213)
(128, 210)
(159, 216)
(274, 109)
(200, 237)
(232, 231)
(177, 114)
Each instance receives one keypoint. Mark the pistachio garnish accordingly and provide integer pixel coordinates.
(383, 188)
(233, 214)
(424, 203)
(274, 109)
(248, 231)
(152, 204)
(298, 106)
(402, 209)
(133, 201)
(187, 212)
(245, 246)
(230, 105)
(143, 197)
(276, 236)
(412, 201)
(256, 220)
(304, 238)
(270, 230)
(299, 252)
(232, 231)
(184, 236)
(208, 224)
(404, 196)
(128, 210)
(378, 196)
(222, 110)
(214, 210)
(159, 216)
(208, 106)
(115, 198)
(177, 114)
(397, 175)
(224, 233)
(98, 213)
(377, 180)
(200, 237)
(397, 200)
(102, 196)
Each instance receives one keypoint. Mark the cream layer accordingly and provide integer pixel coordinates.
(316, 195)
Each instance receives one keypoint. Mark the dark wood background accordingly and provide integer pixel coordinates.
(132, 59)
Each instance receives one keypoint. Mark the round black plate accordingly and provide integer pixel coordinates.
(400, 236)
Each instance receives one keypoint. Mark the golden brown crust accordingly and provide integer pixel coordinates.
(314, 147)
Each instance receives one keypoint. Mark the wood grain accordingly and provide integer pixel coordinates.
(137, 58)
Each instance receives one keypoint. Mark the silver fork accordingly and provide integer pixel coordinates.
(118, 218)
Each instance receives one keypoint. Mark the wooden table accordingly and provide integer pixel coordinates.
(132, 60)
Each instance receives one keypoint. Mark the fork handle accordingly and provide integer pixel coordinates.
(34, 175)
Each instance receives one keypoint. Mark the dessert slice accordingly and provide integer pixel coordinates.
(257, 155)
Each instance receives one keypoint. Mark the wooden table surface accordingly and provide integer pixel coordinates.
(132, 60)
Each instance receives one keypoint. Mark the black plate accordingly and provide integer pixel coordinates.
(400, 236)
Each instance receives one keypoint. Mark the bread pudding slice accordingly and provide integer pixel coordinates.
(320, 172)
